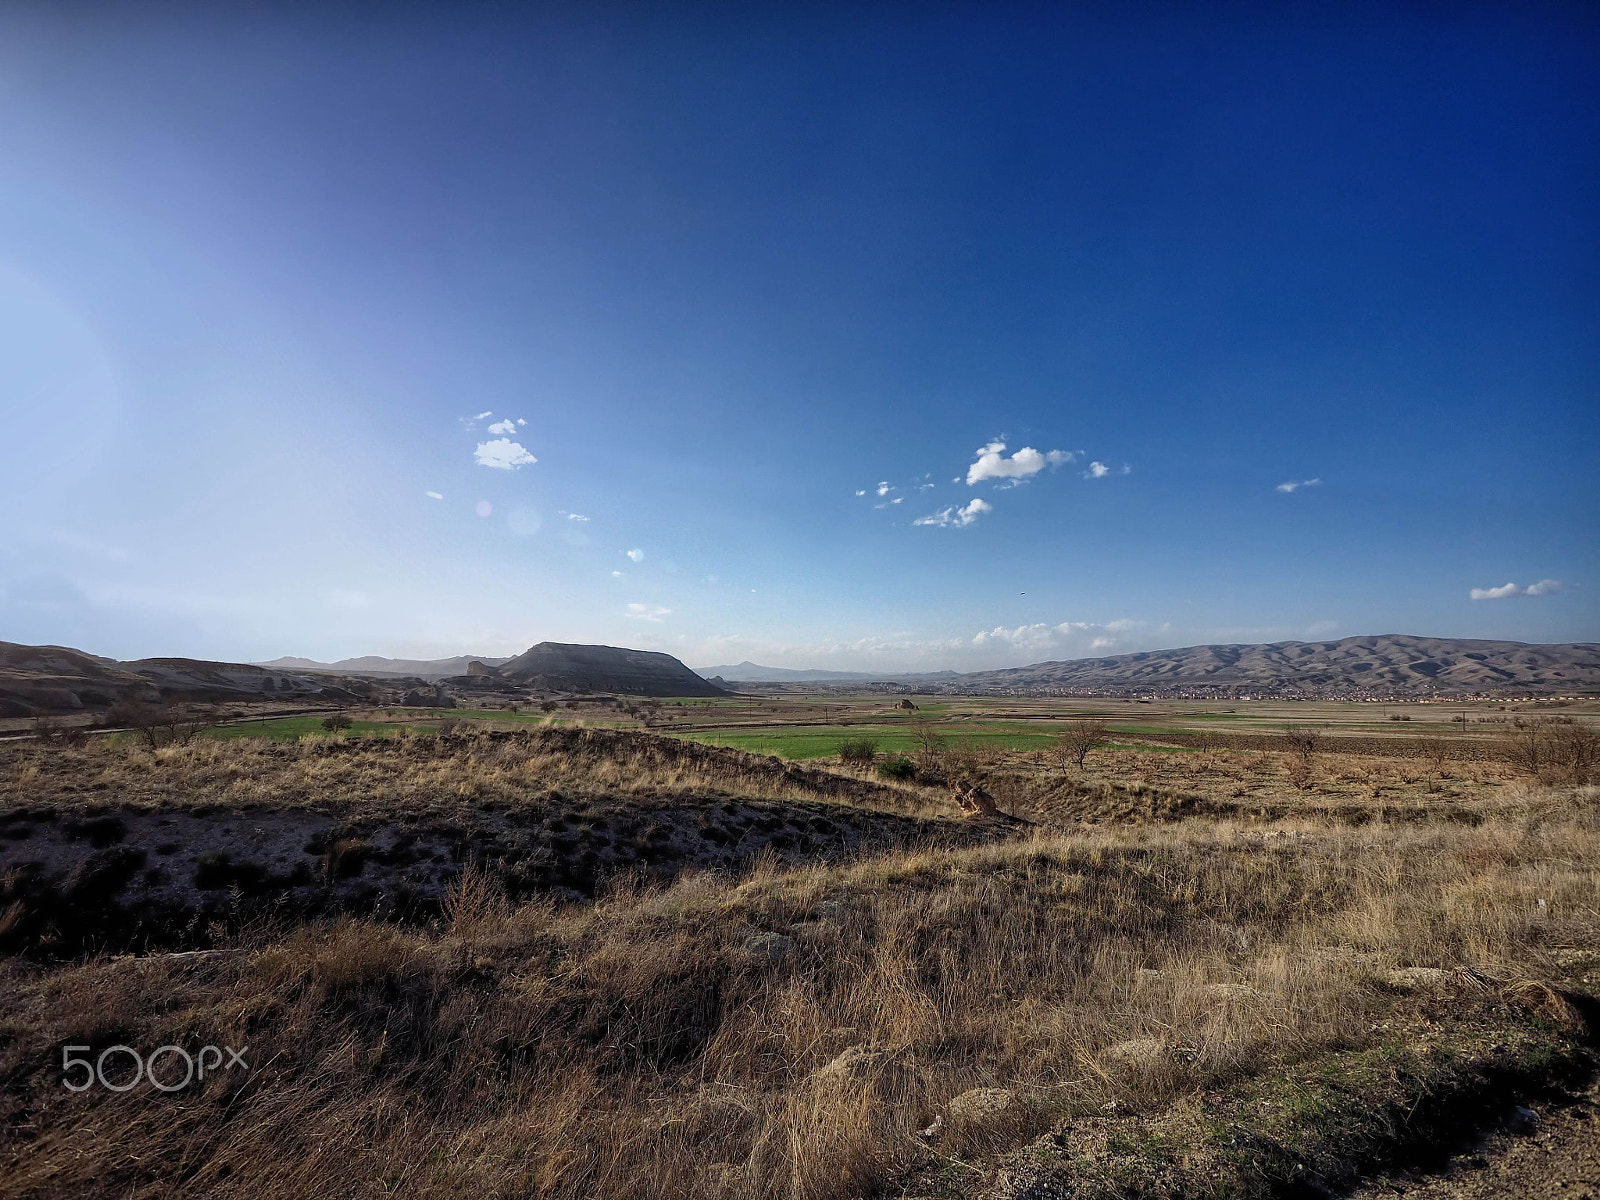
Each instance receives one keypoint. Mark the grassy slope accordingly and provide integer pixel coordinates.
(788, 1033)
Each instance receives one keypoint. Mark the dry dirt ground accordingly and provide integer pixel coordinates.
(1541, 1151)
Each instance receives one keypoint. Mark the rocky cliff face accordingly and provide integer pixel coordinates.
(556, 666)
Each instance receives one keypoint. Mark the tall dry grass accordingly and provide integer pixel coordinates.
(789, 1033)
(409, 773)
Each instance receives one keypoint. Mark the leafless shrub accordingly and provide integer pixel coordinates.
(51, 731)
(1577, 748)
(1437, 751)
(1303, 741)
(170, 723)
(859, 752)
(476, 899)
(1078, 740)
(337, 723)
(1528, 744)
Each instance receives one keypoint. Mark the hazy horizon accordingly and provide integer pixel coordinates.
(885, 341)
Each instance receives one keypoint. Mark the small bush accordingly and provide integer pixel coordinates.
(897, 767)
(860, 751)
(337, 723)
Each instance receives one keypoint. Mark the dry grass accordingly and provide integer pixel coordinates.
(788, 1034)
(1130, 784)
(393, 775)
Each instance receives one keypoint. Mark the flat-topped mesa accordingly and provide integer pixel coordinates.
(559, 667)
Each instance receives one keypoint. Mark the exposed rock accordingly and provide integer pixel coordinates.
(767, 949)
(981, 1103)
(1020, 1179)
(853, 1062)
(1137, 1052)
(1419, 979)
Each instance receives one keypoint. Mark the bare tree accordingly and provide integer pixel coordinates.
(930, 742)
(166, 724)
(1078, 740)
(337, 723)
(1437, 750)
(1303, 741)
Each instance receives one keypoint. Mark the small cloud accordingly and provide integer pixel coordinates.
(506, 426)
(861, 491)
(924, 487)
(434, 495)
(1545, 587)
(643, 612)
(482, 415)
(897, 500)
(957, 517)
(1024, 464)
(576, 517)
(522, 420)
(1291, 485)
(636, 554)
(616, 574)
(1097, 470)
(884, 489)
(503, 454)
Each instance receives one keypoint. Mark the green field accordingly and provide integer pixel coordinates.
(823, 741)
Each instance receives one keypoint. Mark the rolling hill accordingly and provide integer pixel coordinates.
(1388, 664)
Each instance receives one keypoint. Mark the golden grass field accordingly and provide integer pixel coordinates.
(1175, 971)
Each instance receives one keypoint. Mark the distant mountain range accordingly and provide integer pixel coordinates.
(43, 679)
(1389, 664)
(749, 672)
(37, 680)
(421, 668)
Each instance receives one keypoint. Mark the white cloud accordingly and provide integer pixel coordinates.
(1290, 485)
(898, 500)
(503, 454)
(434, 495)
(522, 420)
(1025, 463)
(643, 612)
(958, 517)
(1066, 637)
(576, 517)
(506, 426)
(616, 574)
(482, 415)
(884, 489)
(636, 554)
(1097, 470)
(861, 491)
(1544, 587)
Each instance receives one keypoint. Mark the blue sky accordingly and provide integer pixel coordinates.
(763, 292)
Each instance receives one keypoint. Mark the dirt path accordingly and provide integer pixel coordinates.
(1547, 1151)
